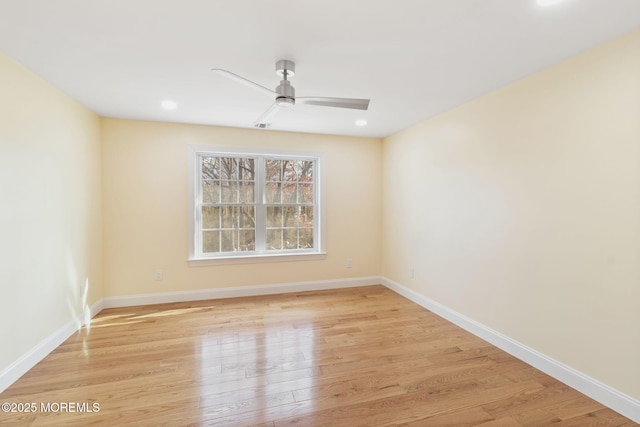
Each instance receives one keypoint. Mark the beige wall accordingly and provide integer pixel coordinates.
(145, 207)
(50, 212)
(521, 210)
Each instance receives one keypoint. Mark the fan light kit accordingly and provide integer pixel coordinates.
(285, 94)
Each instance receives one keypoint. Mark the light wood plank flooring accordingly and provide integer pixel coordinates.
(350, 357)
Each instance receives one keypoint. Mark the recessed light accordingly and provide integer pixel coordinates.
(168, 105)
(361, 122)
(548, 2)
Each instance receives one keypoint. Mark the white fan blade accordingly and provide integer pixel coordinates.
(264, 121)
(249, 83)
(353, 103)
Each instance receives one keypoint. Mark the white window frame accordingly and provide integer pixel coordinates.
(196, 257)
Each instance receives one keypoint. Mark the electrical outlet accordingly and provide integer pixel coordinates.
(159, 276)
(411, 273)
(349, 263)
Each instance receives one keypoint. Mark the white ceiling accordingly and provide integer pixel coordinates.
(412, 58)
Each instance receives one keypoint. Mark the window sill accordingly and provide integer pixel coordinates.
(251, 259)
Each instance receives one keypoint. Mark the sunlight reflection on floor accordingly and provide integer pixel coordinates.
(257, 368)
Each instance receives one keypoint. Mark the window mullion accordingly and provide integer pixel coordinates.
(261, 210)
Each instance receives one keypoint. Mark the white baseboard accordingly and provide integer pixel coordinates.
(238, 291)
(608, 396)
(28, 360)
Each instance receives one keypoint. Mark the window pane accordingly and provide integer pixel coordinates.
(289, 170)
(306, 216)
(306, 171)
(247, 194)
(210, 217)
(229, 191)
(210, 241)
(210, 167)
(247, 240)
(229, 240)
(289, 192)
(246, 169)
(290, 238)
(247, 217)
(229, 217)
(274, 216)
(273, 192)
(306, 238)
(228, 168)
(297, 166)
(210, 191)
(290, 216)
(273, 170)
(305, 193)
(274, 239)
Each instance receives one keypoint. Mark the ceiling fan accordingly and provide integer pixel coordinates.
(285, 94)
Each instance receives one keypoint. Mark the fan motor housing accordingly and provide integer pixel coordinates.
(285, 89)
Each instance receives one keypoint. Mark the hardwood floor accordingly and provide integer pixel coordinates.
(350, 357)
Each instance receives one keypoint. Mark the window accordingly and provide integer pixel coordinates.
(254, 205)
